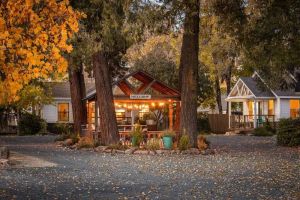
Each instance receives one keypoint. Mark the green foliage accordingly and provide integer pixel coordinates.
(262, 131)
(168, 133)
(63, 128)
(153, 144)
(31, 124)
(269, 35)
(34, 95)
(184, 142)
(288, 133)
(137, 134)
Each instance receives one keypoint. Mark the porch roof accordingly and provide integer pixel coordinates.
(248, 88)
(139, 85)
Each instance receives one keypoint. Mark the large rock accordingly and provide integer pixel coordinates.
(4, 153)
(4, 163)
(101, 148)
(68, 142)
(143, 152)
(131, 150)
(194, 151)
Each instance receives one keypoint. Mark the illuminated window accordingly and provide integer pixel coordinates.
(250, 107)
(63, 112)
(294, 108)
(271, 107)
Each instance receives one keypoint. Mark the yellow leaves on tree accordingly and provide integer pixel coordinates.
(33, 36)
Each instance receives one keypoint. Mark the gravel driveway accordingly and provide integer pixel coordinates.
(245, 167)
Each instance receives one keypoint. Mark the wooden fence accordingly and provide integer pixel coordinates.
(219, 123)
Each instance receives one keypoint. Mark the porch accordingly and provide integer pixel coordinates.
(138, 99)
(249, 107)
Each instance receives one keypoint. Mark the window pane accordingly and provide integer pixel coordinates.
(63, 112)
(271, 107)
(294, 108)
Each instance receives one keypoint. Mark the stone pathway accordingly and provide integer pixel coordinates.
(244, 167)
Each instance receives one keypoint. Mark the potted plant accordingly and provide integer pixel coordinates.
(136, 135)
(168, 138)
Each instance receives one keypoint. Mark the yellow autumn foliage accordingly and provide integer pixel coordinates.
(33, 35)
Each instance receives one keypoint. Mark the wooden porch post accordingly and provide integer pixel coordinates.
(255, 114)
(89, 117)
(229, 115)
(171, 115)
(96, 119)
(177, 116)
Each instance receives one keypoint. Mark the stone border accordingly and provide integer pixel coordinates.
(136, 151)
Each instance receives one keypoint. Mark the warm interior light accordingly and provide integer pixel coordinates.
(161, 104)
(153, 104)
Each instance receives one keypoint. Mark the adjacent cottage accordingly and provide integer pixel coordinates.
(259, 103)
(60, 111)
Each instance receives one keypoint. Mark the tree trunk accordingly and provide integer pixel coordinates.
(218, 91)
(189, 71)
(108, 122)
(77, 88)
(228, 82)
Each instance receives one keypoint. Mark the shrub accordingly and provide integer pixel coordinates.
(262, 131)
(118, 146)
(153, 144)
(202, 142)
(31, 124)
(288, 132)
(137, 134)
(203, 123)
(184, 142)
(85, 142)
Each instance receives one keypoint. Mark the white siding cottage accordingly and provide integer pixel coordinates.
(260, 103)
(60, 111)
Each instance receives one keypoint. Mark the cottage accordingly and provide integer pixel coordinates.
(60, 110)
(259, 103)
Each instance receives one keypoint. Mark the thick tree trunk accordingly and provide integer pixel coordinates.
(218, 92)
(108, 122)
(77, 88)
(189, 71)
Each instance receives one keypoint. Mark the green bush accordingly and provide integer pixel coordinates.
(184, 142)
(137, 134)
(288, 132)
(262, 131)
(153, 144)
(31, 124)
(203, 123)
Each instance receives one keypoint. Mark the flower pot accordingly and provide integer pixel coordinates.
(168, 142)
(134, 141)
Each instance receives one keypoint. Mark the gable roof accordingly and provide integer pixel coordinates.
(62, 89)
(257, 87)
(260, 89)
(123, 86)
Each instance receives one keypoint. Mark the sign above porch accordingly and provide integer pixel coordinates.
(140, 96)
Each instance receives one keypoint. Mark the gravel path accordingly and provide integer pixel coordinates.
(245, 167)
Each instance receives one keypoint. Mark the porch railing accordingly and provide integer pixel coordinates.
(247, 121)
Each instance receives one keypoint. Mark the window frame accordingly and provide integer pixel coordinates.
(60, 112)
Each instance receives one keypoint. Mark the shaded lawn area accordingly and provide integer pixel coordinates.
(245, 167)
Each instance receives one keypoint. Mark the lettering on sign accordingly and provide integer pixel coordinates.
(140, 96)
